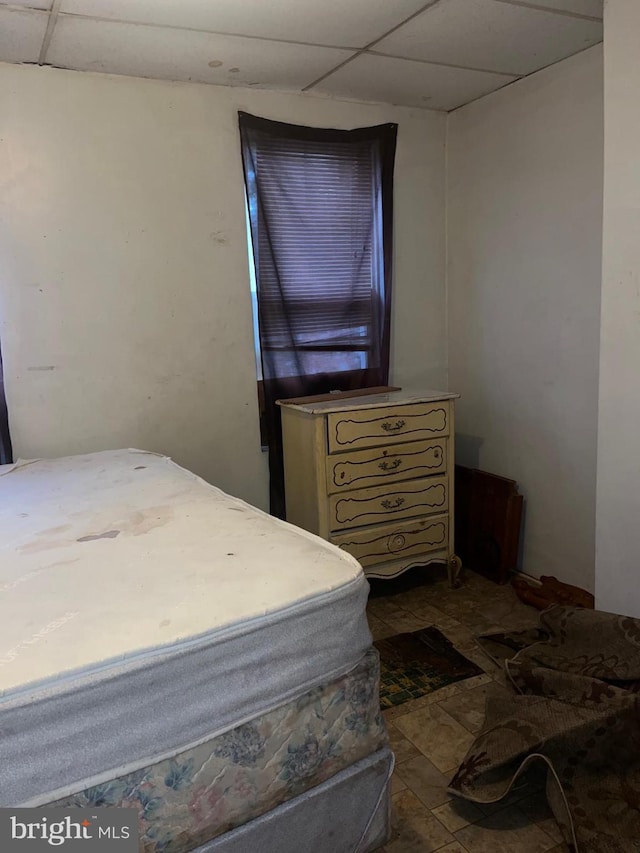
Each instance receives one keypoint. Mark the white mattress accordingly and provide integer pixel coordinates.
(148, 610)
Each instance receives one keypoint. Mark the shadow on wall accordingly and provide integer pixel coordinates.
(523, 527)
(468, 450)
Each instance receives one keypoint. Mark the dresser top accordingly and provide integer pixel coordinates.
(371, 401)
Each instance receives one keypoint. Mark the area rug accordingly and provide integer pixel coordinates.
(575, 711)
(412, 665)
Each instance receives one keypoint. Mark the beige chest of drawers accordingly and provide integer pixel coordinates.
(374, 475)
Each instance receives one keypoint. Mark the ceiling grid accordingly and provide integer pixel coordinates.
(437, 55)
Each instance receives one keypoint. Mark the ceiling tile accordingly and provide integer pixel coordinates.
(348, 23)
(580, 7)
(144, 51)
(491, 35)
(414, 84)
(21, 34)
(28, 4)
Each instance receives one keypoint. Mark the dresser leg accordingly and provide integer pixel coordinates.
(454, 567)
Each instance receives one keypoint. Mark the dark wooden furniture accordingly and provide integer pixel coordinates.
(487, 522)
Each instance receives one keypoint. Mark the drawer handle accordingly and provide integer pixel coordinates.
(387, 504)
(396, 542)
(387, 426)
(390, 466)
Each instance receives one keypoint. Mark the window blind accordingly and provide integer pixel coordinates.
(320, 205)
(316, 212)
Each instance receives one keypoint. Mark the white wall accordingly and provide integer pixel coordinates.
(524, 259)
(125, 314)
(618, 503)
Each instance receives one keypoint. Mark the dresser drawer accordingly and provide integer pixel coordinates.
(386, 542)
(382, 503)
(373, 427)
(360, 468)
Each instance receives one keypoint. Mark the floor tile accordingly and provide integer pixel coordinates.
(463, 606)
(552, 828)
(483, 660)
(382, 607)
(404, 622)
(508, 613)
(421, 596)
(507, 831)
(397, 783)
(432, 734)
(457, 813)
(379, 629)
(413, 828)
(391, 714)
(461, 636)
(423, 608)
(402, 748)
(437, 735)
(476, 681)
(425, 780)
(433, 616)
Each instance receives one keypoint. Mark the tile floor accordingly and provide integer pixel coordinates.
(431, 735)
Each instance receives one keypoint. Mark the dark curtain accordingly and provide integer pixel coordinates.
(6, 454)
(320, 210)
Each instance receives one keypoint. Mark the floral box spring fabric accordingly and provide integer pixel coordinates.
(237, 776)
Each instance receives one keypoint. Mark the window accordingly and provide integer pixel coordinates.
(315, 209)
(319, 207)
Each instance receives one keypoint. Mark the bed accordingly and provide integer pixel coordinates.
(169, 648)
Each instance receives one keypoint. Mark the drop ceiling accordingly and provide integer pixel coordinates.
(433, 55)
